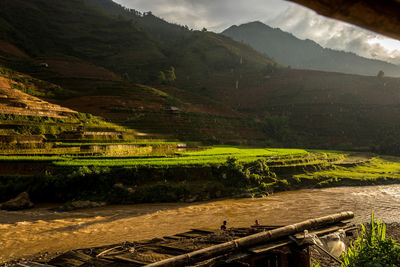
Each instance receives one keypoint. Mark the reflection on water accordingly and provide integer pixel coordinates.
(38, 230)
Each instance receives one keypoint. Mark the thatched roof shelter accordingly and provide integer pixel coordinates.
(381, 16)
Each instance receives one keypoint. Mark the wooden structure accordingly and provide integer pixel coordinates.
(271, 246)
(380, 16)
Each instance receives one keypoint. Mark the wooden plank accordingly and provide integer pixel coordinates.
(269, 247)
(325, 231)
(125, 259)
(71, 258)
(300, 256)
(319, 232)
(252, 240)
(237, 256)
(31, 264)
(241, 229)
(270, 227)
(189, 235)
(172, 237)
(347, 222)
(203, 230)
(145, 242)
(173, 249)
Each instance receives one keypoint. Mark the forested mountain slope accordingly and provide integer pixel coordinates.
(306, 54)
(164, 79)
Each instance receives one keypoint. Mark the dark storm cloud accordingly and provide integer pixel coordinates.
(217, 15)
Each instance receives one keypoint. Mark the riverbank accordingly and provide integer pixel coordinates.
(191, 176)
(215, 173)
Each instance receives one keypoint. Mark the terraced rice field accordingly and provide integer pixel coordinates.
(209, 156)
(203, 156)
(373, 169)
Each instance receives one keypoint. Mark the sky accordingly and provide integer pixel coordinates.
(217, 15)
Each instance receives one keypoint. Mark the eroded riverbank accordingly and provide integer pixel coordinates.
(25, 233)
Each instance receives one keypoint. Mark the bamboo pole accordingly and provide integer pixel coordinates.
(252, 240)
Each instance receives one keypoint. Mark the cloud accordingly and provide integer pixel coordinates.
(217, 15)
(306, 24)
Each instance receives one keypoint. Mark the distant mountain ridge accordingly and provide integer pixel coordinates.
(159, 29)
(289, 50)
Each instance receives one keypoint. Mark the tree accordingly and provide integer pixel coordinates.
(162, 77)
(171, 77)
(381, 74)
(277, 127)
(167, 76)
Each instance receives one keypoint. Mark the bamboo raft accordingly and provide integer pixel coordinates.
(270, 246)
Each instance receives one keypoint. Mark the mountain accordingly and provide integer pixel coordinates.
(144, 73)
(159, 29)
(77, 29)
(71, 30)
(306, 54)
(13, 99)
(110, 66)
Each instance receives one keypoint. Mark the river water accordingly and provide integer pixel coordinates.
(24, 233)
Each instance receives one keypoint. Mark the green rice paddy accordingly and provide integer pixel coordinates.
(243, 151)
(209, 156)
(373, 169)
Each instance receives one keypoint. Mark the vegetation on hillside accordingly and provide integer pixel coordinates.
(196, 174)
(128, 50)
(183, 176)
(200, 85)
(378, 168)
(33, 86)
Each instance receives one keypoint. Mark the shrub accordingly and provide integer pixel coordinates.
(372, 248)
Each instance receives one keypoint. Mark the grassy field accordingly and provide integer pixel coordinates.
(138, 142)
(373, 169)
(198, 174)
(243, 151)
(32, 158)
(209, 156)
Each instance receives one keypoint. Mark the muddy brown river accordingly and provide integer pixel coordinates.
(24, 233)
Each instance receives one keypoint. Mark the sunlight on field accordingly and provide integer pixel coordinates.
(213, 155)
(376, 168)
(227, 150)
